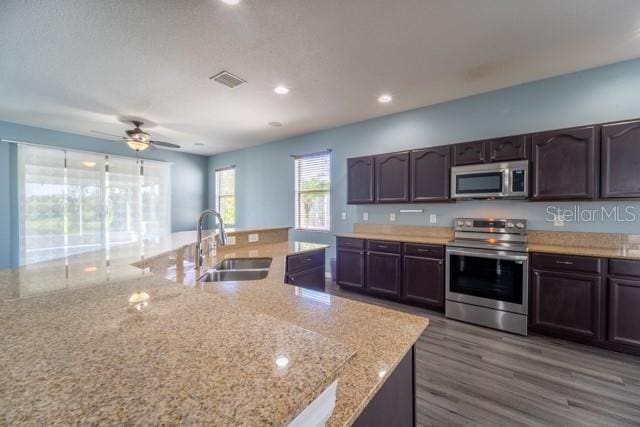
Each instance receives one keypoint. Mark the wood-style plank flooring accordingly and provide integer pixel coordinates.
(469, 375)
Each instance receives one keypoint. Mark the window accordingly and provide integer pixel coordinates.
(226, 194)
(313, 184)
(74, 202)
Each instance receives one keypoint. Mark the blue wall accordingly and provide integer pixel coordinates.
(189, 179)
(265, 186)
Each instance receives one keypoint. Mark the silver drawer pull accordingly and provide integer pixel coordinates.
(382, 246)
(564, 262)
(424, 250)
(307, 259)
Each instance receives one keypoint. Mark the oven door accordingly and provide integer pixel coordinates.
(488, 278)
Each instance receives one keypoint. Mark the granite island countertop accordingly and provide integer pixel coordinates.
(75, 350)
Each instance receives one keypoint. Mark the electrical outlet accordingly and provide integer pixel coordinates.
(433, 218)
(558, 221)
(392, 216)
(231, 240)
(365, 216)
(253, 238)
(343, 215)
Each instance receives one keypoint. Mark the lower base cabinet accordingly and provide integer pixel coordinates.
(423, 279)
(407, 272)
(624, 315)
(306, 270)
(567, 304)
(383, 274)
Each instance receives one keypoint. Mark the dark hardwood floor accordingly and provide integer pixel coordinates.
(469, 375)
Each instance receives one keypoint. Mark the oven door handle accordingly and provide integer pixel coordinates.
(487, 254)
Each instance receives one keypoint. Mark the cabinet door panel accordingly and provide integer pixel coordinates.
(624, 312)
(620, 176)
(507, 148)
(430, 174)
(567, 304)
(469, 153)
(383, 273)
(564, 164)
(350, 268)
(392, 177)
(423, 281)
(311, 279)
(361, 180)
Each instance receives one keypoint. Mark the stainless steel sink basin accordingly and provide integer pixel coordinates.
(243, 264)
(237, 270)
(233, 275)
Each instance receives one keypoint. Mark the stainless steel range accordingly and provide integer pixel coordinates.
(487, 280)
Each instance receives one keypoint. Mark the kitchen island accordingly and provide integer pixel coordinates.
(75, 350)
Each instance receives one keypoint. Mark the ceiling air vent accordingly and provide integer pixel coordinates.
(227, 79)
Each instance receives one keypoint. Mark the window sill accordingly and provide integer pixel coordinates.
(311, 230)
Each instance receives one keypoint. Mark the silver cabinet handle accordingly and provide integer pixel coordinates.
(424, 250)
(382, 246)
(564, 262)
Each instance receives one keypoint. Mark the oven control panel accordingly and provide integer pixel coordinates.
(491, 225)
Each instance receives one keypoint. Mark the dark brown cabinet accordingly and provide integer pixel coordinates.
(620, 160)
(383, 273)
(306, 270)
(507, 149)
(469, 153)
(350, 270)
(623, 289)
(392, 177)
(423, 278)
(430, 174)
(566, 302)
(361, 180)
(564, 164)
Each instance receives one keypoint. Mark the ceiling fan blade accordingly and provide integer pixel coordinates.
(164, 144)
(107, 134)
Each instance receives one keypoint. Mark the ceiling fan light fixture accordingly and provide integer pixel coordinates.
(137, 145)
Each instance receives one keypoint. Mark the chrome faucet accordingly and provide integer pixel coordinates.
(221, 234)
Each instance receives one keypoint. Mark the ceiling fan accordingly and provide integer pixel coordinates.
(139, 140)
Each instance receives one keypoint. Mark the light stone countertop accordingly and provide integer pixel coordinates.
(432, 240)
(620, 252)
(74, 350)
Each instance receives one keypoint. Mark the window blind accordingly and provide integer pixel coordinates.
(226, 194)
(312, 188)
(74, 202)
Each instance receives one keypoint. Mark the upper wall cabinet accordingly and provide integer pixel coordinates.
(392, 177)
(361, 180)
(430, 174)
(564, 164)
(507, 149)
(620, 160)
(469, 153)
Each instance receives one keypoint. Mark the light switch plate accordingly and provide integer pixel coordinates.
(365, 216)
(433, 218)
(231, 240)
(343, 215)
(392, 216)
(253, 238)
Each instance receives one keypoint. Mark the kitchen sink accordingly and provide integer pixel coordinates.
(233, 275)
(237, 270)
(243, 264)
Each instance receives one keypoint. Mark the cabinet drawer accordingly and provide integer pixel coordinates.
(579, 264)
(430, 251)
(350, 242)
(384, 246)
(305, 261)
(312, 278)
(624, 267)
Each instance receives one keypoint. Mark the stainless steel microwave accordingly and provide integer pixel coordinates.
(507, 180)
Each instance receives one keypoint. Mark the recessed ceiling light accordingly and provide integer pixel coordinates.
(88, 163)
(231, 2)
(198, 144)
(281, 90)
(275, 124)
(384, 99)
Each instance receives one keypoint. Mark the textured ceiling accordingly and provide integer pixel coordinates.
(79, 65)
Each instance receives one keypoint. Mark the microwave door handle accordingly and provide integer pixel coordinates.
(507, 184)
